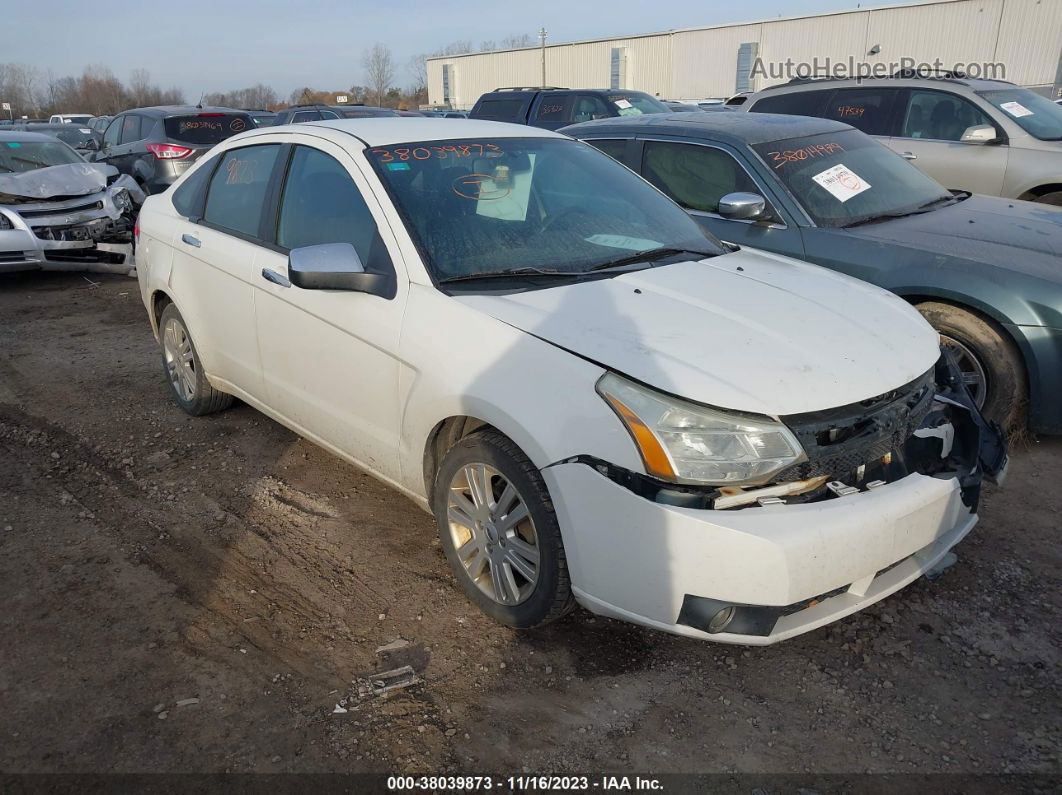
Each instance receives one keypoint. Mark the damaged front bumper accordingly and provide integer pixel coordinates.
(777, 566)
(93, 232)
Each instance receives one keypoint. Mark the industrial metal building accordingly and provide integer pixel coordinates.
(715, 61)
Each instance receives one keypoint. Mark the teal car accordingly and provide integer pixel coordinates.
(986, 272)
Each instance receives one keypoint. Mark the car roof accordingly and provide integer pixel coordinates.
(36, 125)
(182, 110)
(387, 130)
(24, 136)
(738, 128)
(938, 81)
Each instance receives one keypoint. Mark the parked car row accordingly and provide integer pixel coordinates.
(700, 437)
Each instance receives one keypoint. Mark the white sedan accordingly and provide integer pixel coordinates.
(598, 403)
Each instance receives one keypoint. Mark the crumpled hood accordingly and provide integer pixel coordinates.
(1019, 236)
(69, 179)
(748, 331)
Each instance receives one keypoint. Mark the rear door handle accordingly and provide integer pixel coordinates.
(908, 155)
(276, 278)
(191, 240)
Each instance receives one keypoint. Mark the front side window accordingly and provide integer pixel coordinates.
(589, 107)
(695, 176)
(939, 116)
(487, 205)
(847, 177)
(238, 188)
(1037, 115)
(322, 204)
(868, 110)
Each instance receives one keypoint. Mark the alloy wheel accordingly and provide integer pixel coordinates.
(973, 372)
(180, 362)
(493, 534)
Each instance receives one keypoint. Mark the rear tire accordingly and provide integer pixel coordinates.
(1054, 198)
(513, 570)
(1004, 392)
(184, 370)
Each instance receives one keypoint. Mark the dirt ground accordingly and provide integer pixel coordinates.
(147, 557)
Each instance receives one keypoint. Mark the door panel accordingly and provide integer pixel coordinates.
(932, 124)
(329, 357)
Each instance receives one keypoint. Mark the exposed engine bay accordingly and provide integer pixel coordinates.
(930, 426)
(74, 216)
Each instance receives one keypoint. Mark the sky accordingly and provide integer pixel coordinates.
(220, 45)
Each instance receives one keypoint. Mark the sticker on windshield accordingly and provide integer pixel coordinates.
(623, 241)
(1016, 109)
(841, 182)
(622, 103)
(87, 132)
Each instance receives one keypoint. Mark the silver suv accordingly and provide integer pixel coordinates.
(984, 136)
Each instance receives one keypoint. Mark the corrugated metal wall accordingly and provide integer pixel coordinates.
(1025, 34)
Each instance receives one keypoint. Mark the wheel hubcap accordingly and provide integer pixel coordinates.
(180, 363)
(493, 534)
(973, 372)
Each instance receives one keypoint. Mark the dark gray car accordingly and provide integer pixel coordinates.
(985, 271)
(156, 145)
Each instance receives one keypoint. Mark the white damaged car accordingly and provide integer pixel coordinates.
(598, 403)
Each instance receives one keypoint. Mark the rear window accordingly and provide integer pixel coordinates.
(500, 109)
(207, 128)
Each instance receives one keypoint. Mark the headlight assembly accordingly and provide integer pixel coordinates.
(683, 442)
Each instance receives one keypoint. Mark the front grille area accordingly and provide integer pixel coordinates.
(81, 208)
(839, 441)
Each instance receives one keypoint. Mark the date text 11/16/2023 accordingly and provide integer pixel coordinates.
(523, 783)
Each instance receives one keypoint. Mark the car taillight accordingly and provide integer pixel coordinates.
(169, 151)
(136, 231)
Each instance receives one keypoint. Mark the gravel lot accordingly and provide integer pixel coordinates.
(147, 558)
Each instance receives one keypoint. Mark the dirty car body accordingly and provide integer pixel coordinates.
(58, 212)
(725, 444)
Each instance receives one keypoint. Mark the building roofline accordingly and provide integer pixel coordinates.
(694, 29)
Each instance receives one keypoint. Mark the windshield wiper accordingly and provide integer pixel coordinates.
(651, 255)
(925, 207)
(528, 271)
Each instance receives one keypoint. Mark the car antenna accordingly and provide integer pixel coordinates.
(200, 103)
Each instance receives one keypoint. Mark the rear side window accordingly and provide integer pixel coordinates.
(869, 110)
(322, 204)
(557, 108)
(131, 129)
(305, 115)
(188, 198)
(207, 128)
(613, 148)
(238, 188)
(802, 103)
(500, 109)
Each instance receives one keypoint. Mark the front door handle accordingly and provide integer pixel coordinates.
(276, 278)
(908, 155)
(191, 240)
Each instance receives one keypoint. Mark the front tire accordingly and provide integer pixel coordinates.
(184, 370)
(1054, 198)
(991, 364)
(499, 531)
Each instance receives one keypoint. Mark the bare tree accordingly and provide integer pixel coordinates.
(516, 41)
(379, 70)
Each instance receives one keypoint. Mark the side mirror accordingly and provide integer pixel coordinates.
(336, 266)
(742, 206)
(979, 134)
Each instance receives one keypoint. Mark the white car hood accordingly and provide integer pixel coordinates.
(748, 331)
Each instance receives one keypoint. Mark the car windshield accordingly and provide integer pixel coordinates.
(847, 177)
(635, 103)
(18, 156)
(481, 206)
(1037, 115)
(71, 134)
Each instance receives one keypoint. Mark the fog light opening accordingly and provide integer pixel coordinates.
(721, 620)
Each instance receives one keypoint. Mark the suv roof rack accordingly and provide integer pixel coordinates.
(532, 88)
(901, 74)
